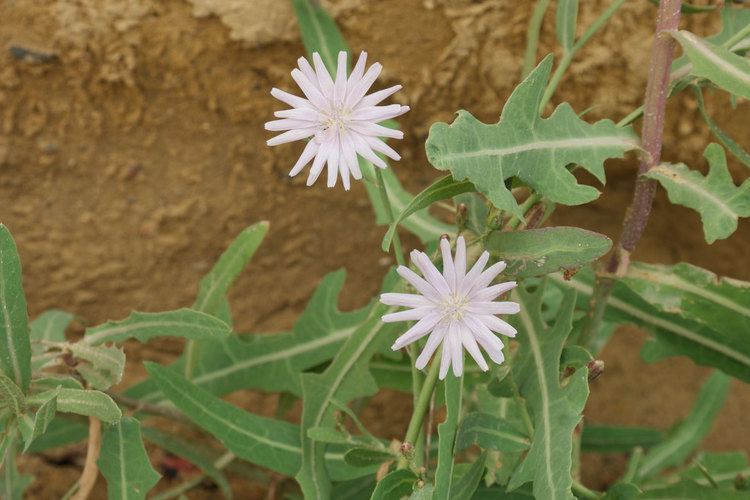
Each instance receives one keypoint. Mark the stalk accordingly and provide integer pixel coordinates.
(636, 217)
(90, 469)
(420, 408)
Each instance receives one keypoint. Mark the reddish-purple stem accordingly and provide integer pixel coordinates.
(636, 217)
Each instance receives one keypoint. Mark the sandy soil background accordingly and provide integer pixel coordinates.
(135, 153)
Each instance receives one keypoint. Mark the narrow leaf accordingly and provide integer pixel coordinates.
(396, 484)
(688, 434)
(15, 348)
(191, 453)
(599, 438)
(536, 252)
(690, 490)
(82, 402)
(674, 335)
(11, 397)
(440, 190)
(565, 26)
(272, 362)
(124, 463)
(491, 433)
(143, 327)
(366, 457)
(447, 431)
(60, 432)
(13, 484)
(346, 378)
(724, 138)
(522, 144)
(555, 409)
(466, 485)
(271, 443)
(43, 417)
(715, 63)
(715, 197)
(215, 285)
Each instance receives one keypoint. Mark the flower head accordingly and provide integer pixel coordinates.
(455, 307)
(340, 118)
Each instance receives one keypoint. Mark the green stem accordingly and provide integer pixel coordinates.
(420, 408)
(191, 358)
(568, 57)
(737, 37)
(389, 212)
(535, 25)
(581, 491)
(221, 463)
(633, 464)
(529, 202)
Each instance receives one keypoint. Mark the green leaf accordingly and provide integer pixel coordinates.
(723, 468)
(491, 433)
(622, 491)
(11, 397)
(215, 285)
(54, 381)
(467, 484)
(101, 366)
(715, 63)
(722, 304)
(39, 424)
(366, 457)
(599, 438)
(441, 189)
(82, 402)
(320, 34)
(674, 335)
(124, 462)
(187, 323)
(60, 432)
(13, 484)
(190, 452)
(272, 362)
(346, 378)
(476, 211)
(715, 197)
(688, 434)
(565, 25)
(536, 252)
(526, 146)
(396, 484)
(49, 326)
(555, 410)
(15, 348)
(724, 138)
(690, 490)
(447, 431)
(271, 443)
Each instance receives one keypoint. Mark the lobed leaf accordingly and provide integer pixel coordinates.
(15, 347)
(724, 138)
(186, 323)
(715, 197)
(715, 63)
(555, 409)
(689, 433)
(124, 463)
(101, 366)
(536, 252)
(441, 189)
(522, 144)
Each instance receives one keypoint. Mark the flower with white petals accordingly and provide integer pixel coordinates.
(341, 120)
(455, 307)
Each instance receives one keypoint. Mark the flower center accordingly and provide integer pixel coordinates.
(453, 306)
(337, 118)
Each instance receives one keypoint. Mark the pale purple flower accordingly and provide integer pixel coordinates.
(455, 307)
(341, 120)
